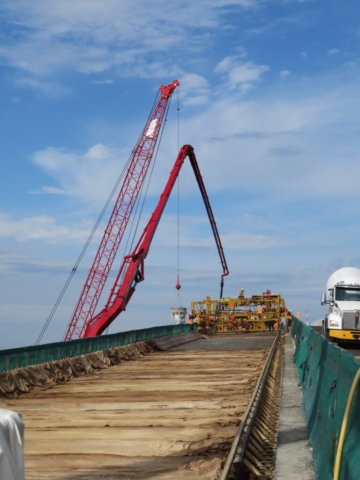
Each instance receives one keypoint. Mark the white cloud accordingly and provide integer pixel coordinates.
(242, 52)
(240, 75)
(51, 89)
(284, 73)
(103, 82)
(194, 89)
(250, 241)
(90, 176)
(247, 73)
(226, 64)
(49, 190)
(91, 37)
(333, 51)
(261, 138)
(304, 54)
(294, 135)
(43, 228)
(196, 232)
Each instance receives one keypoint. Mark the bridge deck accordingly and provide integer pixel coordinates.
(167, 415)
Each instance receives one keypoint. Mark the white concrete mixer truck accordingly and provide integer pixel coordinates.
(343, 297)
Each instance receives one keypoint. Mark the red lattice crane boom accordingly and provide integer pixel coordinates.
(132, 269)
(113, 234)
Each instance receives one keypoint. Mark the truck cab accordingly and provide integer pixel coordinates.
(343, 297)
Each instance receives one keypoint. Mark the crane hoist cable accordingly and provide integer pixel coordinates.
(178, 116)
(178, 285)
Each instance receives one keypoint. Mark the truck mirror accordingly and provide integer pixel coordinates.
(323, 299)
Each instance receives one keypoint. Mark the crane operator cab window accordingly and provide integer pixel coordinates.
(347, 294)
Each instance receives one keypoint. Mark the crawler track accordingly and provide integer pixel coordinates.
(171, 414)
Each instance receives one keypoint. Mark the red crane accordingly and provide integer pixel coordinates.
(132, 268)
(113, 234)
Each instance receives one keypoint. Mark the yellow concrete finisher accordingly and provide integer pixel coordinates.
(258, 313)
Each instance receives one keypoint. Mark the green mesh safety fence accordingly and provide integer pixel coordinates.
(33, 355)
(326, 373)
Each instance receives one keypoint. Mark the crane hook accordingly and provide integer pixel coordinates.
(178, 286)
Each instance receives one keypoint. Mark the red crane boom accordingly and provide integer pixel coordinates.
(132, 269)
(113, 234)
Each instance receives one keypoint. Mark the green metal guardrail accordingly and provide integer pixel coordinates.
(326, 373)
(25, 356)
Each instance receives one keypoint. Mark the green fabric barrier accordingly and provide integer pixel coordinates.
(33, 355)
(326, 373)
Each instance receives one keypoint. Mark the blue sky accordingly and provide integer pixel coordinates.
(269, 98)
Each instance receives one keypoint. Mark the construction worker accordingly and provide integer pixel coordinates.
(241, 293)
(259, 310)
(288, 319)
(278, 325)
(191, 320)
(272, 325)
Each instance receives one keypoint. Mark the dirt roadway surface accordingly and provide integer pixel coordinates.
(169, 415)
